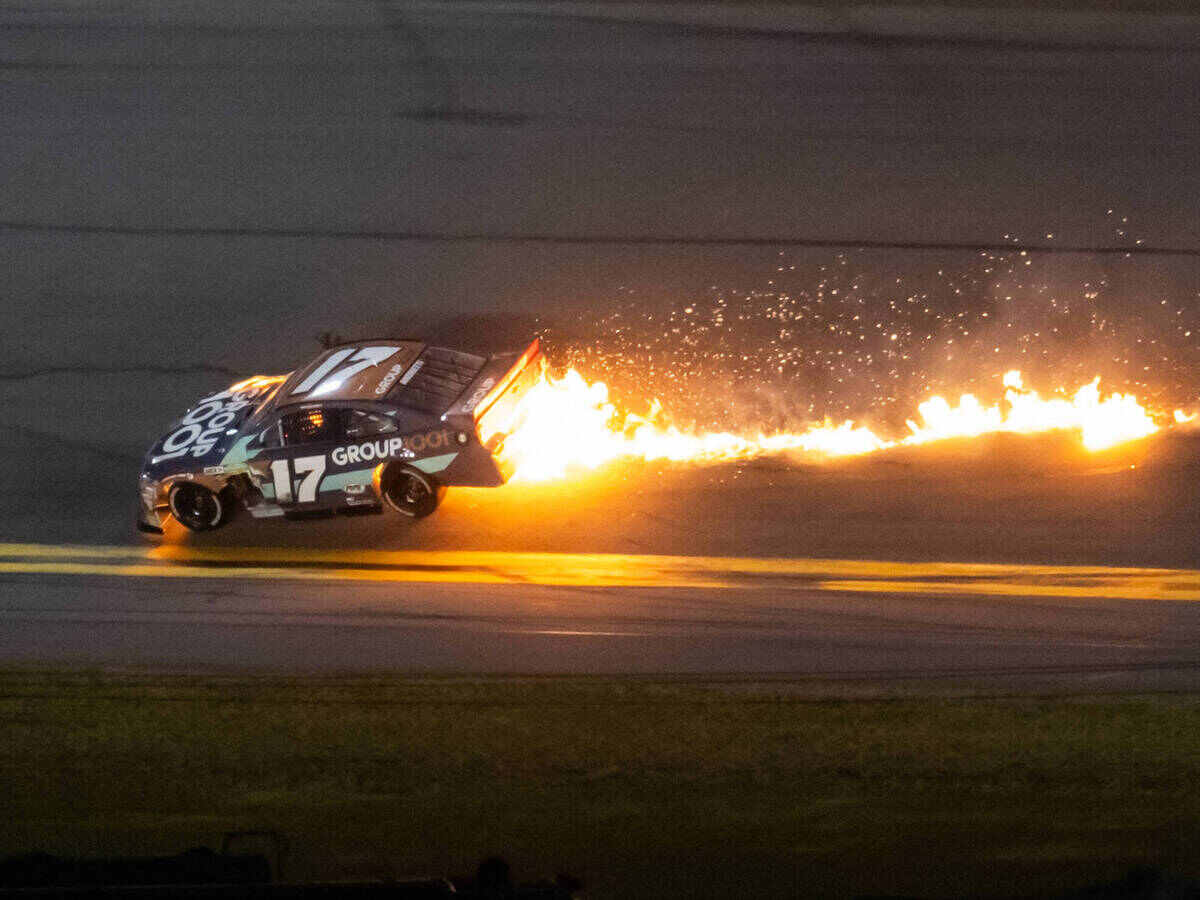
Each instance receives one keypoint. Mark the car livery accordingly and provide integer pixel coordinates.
(362, 426)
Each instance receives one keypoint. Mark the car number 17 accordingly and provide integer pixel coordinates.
(284, 471)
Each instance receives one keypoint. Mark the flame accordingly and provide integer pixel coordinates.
(1102, 422)
(255, 382)
(1182, 418)
(567, 423)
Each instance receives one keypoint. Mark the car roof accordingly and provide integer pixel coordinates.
(404, 373)
(363, 370)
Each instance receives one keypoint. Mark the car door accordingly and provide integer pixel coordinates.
(372, 438)
(296, 465)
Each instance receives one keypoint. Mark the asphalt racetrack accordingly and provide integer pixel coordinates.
(1010, 564)
(199, 191)
(180, 176)
(603, 613)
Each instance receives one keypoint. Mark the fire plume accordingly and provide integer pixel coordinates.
(568, 423)
(1101, 421)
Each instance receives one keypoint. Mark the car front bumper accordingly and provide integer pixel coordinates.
(152, 508)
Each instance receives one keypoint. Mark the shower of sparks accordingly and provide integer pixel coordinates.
(861, 351)
(852, 355)
(868, 335)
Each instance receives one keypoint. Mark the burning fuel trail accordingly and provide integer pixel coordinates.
(567, 423)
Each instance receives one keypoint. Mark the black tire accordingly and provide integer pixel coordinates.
(197, 508)
(409, 491)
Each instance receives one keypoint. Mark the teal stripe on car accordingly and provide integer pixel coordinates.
(434, 463)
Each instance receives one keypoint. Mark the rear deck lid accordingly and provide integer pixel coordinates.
(436, 380)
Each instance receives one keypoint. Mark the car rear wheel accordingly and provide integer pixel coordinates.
(199, 509)
(410, 492)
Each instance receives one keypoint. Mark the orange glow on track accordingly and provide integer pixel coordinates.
(603, 570)
(569, 423)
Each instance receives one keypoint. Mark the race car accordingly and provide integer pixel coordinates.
(362, 426)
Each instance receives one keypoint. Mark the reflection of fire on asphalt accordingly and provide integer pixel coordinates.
(567, 422)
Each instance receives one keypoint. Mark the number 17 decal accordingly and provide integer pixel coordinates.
(311, 467)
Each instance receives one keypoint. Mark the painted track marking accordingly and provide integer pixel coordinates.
(601, 570)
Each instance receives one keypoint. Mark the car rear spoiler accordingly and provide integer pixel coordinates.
(492, 399)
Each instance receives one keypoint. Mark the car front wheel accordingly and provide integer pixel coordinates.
(197, 508)
(410, 492)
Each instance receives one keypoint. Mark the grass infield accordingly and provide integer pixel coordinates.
(640, 787)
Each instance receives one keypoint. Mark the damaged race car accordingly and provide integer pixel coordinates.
(362, 426)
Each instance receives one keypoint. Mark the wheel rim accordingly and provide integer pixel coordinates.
(408, 493)
(195, 507)
(415, 491)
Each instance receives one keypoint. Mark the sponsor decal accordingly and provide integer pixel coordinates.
(323, 380)
(389, 448)
(433, 440)
(416, 367)
(480, 393)
(368, 451)
(386, 381)
(202, 427)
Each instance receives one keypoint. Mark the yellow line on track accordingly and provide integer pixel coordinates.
(601, 570)
(569, 561)
(453, 576)
(1181, 590)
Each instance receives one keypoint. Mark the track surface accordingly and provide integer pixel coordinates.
(511, 612)
(432, 118)
(1012, 563)
(445, 118)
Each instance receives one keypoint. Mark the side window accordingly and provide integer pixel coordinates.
(364, 425)
(310, 425)
(271, 436)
